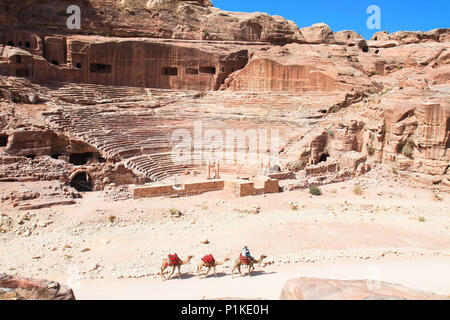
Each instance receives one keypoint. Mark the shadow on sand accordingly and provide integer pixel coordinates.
(186, 276)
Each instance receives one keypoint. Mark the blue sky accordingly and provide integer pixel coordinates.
(396, 15)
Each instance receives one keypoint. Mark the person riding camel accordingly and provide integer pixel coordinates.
(246, 253)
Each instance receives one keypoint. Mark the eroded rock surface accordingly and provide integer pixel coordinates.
(327, 289)
(17, 288)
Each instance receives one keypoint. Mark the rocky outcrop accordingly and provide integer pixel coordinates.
(173, 19)
(347, 36)
(318, 33)
(408, 37)
(301, 68)
(17, 288)
(327, 289)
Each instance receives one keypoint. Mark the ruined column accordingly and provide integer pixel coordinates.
(217, 175)
(208, 170)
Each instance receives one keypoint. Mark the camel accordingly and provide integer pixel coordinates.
(213, 265)
(238, 263)
(166, 263)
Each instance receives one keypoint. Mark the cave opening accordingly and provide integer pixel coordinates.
(78, 65)
(27, 44)
(11, 43)
(170, 71)
(55, 62)
(82, 182)
(56, 155)
(30, 156)
(100, 68)
(80, 159)
(3, 140)
(22, 73)
(210, 70)
(324, 157)
(191, 71)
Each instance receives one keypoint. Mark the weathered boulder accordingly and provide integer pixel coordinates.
(327, 289)
(318, 33)
(346, 36)
(15, 288)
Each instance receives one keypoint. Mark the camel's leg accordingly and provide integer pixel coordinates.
(163, 267)
(240, 271)
(215, 274)
(234, 268)
(199, 268)
(207, 272)
(173, 270)
(179, 271)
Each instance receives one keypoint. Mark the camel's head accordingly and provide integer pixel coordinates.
(263, 256)
(226, 259)
(190, 257)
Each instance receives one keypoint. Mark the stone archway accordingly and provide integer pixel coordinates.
(82, 181)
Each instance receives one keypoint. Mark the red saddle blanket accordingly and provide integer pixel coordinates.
(173, 259)
(208, 259)
(244, 259)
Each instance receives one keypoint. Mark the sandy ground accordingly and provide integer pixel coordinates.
(113, 249)
(426, 274)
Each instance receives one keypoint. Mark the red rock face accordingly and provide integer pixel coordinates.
(326, 289)
(32, 289)
(300, 68)
(351, 100)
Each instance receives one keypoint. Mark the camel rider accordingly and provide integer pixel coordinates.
(246, 253)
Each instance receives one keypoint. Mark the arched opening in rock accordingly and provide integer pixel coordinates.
(80, 159)
(30, 156)
(3, 140)
(365, 49)
(11, 43)
(56, 155)
(78, 65)
(82, 182)
(324, 157)
(27, 44)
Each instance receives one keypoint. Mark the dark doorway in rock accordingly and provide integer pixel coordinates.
(101, 159)
(56, 155)
(100, 68)
(78, 65)
(324, 157)
(82, 182)
(30, 156)
(191, 71)
(170, 71)
(11, 43)
(80, 159)
(3, 140)
(55, 62)
(210, 70)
